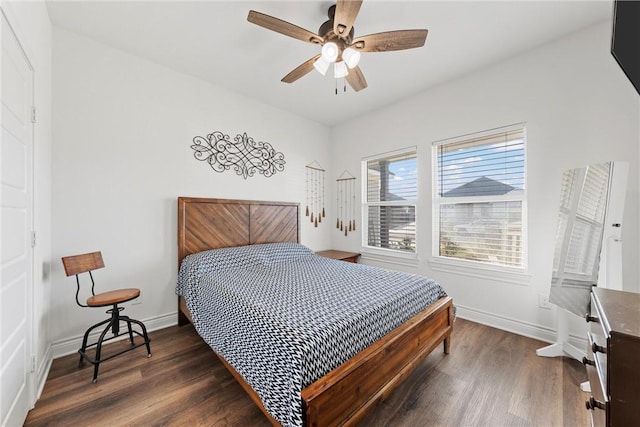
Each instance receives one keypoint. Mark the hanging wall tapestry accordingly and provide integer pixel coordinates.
(315, 193)
(346, 203)
(244, 154)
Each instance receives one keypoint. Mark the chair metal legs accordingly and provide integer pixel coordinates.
(86, 338)
(113, 324)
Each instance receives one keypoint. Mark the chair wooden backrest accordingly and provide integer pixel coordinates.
(76, 264)
(83, 263)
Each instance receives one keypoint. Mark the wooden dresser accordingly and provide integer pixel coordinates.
(613, 358)
(341, 255)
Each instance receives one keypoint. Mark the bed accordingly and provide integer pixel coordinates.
(341, 396)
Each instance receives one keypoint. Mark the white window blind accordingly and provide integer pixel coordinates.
(390, 201)
(479, 200)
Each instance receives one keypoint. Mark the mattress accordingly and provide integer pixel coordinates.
(284, 317)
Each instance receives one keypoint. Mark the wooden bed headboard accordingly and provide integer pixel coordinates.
(205, 224)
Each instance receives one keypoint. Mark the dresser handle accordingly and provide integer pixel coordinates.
(586, 361)
(594, 404)
(598, 348)
(590, 318)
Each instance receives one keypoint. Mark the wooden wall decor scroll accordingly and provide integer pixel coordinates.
(346, 203)
(315, 193)
(245, 155)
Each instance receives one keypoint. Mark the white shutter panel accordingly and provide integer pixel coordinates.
(583, 203)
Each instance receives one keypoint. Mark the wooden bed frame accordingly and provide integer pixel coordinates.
(345, 395)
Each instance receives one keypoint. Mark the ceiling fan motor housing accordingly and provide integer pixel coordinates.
(326, 32)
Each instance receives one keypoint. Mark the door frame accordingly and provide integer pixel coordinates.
(30, 358)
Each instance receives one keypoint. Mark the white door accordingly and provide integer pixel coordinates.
(16, 222)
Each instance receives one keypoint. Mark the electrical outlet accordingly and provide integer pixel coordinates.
(137, 300)
(543, 301)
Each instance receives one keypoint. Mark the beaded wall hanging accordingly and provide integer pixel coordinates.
(315, 193)
(346, 202)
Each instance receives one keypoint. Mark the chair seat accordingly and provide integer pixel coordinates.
(113, 297)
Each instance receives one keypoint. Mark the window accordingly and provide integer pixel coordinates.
(390, 197)
(479, 199)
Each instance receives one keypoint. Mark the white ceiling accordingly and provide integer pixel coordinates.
(214, 41)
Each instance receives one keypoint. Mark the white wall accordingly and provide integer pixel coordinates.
(123, 127)
(579, 109)
(30, 21)
(122, 133)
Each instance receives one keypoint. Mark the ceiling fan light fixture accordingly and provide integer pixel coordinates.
(330, 51)
(336, 38)
(340, 69)
(322, 65)
(351, 57)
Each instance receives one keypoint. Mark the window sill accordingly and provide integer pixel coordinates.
(390, 257)
(511, 276)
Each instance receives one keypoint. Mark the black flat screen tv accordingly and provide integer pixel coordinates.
(625, 39)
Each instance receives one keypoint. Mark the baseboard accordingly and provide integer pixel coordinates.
(519, 327)
(43, 372)
(71, 345)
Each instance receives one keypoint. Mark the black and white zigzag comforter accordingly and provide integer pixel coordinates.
(283, 317)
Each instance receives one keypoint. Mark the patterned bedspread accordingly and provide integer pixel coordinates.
(283, 317)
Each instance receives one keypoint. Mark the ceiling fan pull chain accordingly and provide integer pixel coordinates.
(336, 86)
(344, 82)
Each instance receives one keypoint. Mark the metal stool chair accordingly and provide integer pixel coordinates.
(86, 263)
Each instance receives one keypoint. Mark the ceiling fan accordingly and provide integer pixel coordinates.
(339, 47)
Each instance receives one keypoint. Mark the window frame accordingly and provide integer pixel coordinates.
(513, 274)
(387, 254)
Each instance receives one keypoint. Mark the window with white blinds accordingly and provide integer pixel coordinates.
(583, 201)
(479, 199)
(390, 198)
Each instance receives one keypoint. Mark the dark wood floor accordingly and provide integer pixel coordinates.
(491, 378)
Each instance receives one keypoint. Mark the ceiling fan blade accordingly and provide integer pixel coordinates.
(345, 16)
(301, 70)
(390, 40)
(283, 27)
(356, 79)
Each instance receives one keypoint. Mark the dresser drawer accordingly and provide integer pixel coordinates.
(598, 343)
(596, 366)
(612, 358)
(598, 321)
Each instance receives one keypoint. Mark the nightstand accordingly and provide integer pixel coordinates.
(340, 255)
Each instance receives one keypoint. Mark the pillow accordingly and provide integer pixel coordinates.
(195, 265)
(271, 253)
